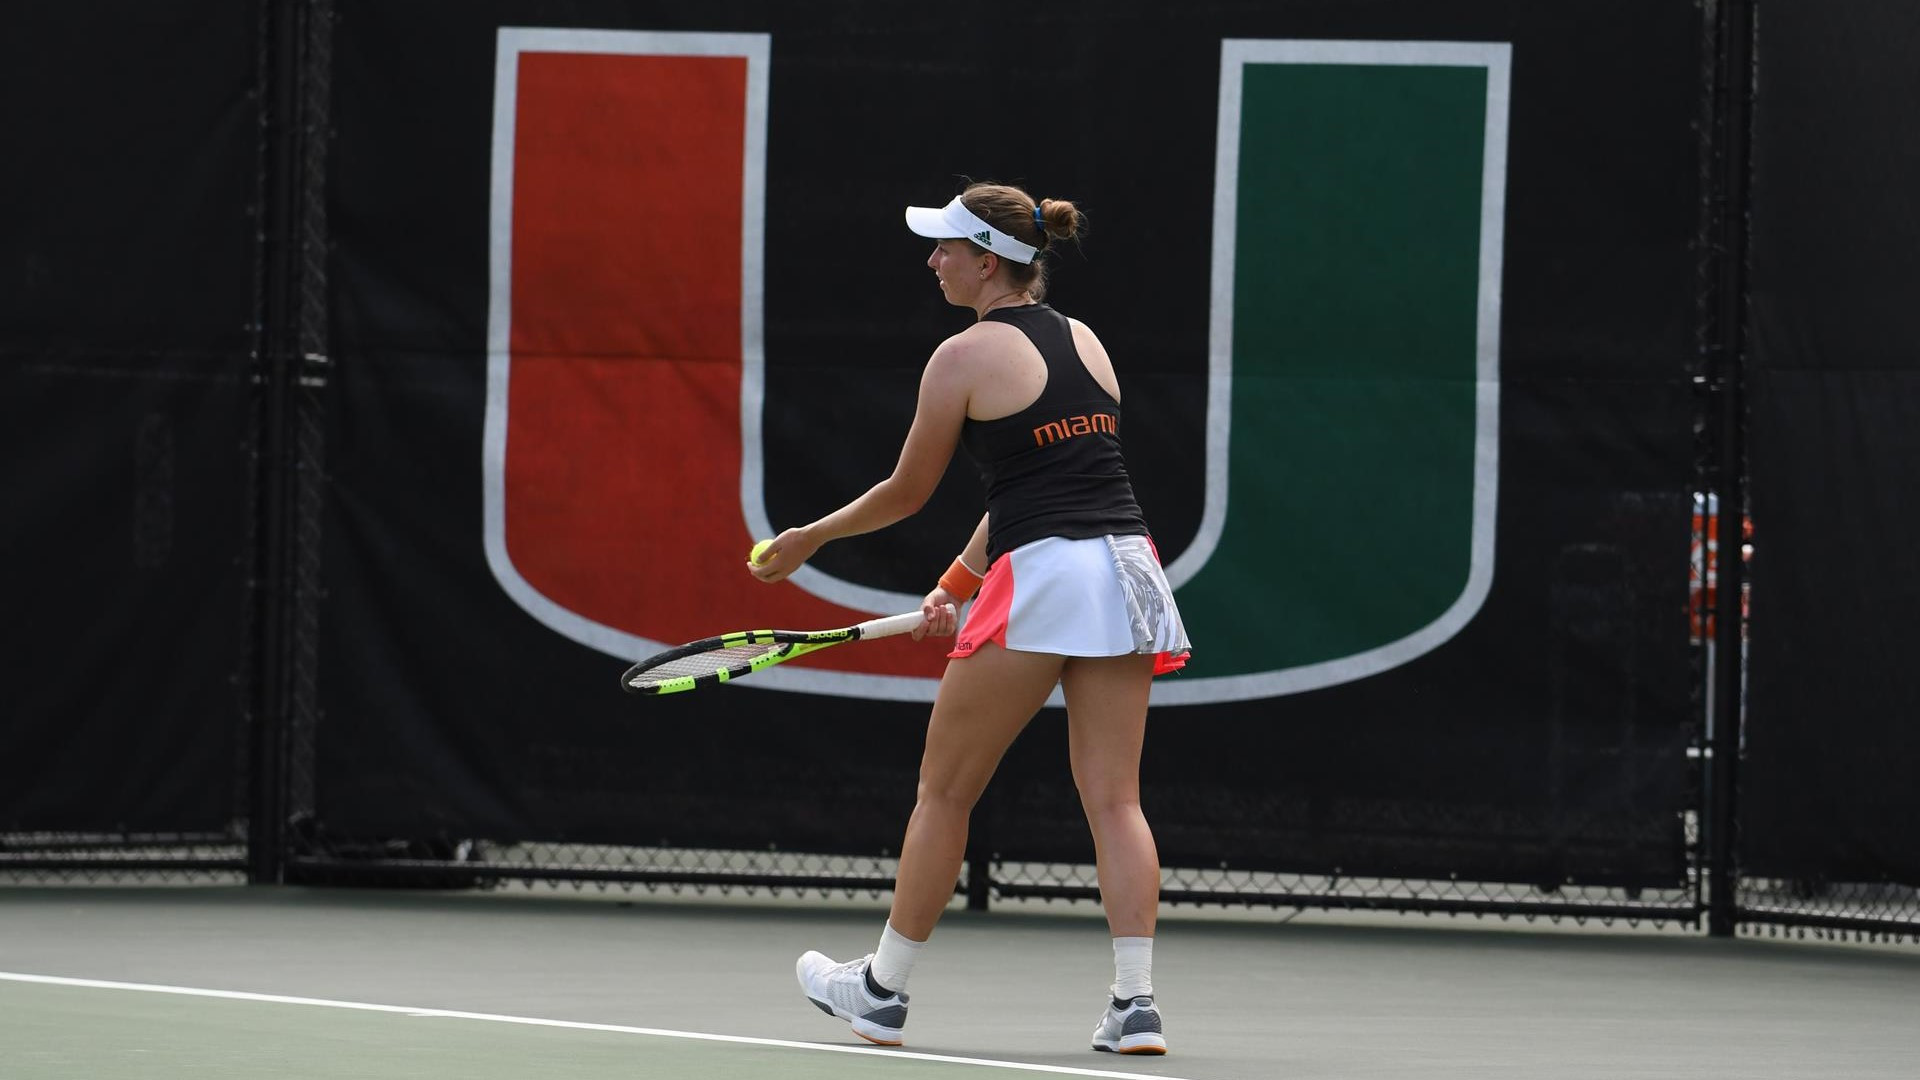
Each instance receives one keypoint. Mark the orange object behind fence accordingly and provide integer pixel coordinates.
(1703, 568)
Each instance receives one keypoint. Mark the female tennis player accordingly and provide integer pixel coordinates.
(1073, 595)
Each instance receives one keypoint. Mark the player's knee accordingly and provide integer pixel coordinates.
(952, 793)
(1105, 798)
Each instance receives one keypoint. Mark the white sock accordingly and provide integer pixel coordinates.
(893, 960)
(1132, 967)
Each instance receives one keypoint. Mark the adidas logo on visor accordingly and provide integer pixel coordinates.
(985, 238)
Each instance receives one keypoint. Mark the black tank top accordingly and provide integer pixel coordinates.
(1054, 468)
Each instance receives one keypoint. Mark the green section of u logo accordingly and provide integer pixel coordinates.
(1354, 400)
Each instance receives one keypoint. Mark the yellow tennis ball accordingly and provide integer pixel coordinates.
(754, 555)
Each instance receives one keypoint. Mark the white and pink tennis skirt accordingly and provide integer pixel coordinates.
(1101, 597)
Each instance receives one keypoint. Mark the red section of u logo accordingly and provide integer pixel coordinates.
(625, 312)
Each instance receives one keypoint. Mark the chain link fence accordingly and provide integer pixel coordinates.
(445, 863)
(1867, 912)
(1833, 911)
(123, 858)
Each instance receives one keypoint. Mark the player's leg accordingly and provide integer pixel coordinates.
(983, 703)
(1106, 730)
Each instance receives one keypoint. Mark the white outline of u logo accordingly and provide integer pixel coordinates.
(1185, 689)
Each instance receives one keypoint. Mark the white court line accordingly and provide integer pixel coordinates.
(449, 1014)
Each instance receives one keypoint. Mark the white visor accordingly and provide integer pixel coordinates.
(954, 221)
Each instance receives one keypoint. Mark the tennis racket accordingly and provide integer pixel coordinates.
(715, 660)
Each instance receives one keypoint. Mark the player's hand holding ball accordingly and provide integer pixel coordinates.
(772, 560)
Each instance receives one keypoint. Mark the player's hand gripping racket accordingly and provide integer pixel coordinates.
(715, 660)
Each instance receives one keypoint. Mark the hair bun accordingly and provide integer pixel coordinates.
(1063, 219)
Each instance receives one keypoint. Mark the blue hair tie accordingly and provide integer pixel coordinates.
(1040, 221)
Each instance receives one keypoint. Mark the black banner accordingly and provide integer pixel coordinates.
(127, 311)
(1827, 787)
(1537, 737)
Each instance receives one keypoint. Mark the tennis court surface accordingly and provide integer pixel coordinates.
(290, 982)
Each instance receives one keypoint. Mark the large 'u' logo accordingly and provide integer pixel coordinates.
(1353, 391)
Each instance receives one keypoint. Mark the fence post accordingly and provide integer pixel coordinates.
(1736, 80)
(277, 367)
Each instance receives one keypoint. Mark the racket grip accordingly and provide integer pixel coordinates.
(904, 623)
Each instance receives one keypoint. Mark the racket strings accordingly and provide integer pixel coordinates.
(705, 663)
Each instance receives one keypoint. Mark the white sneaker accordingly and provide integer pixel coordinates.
(1130, 1027)
(841, 990)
